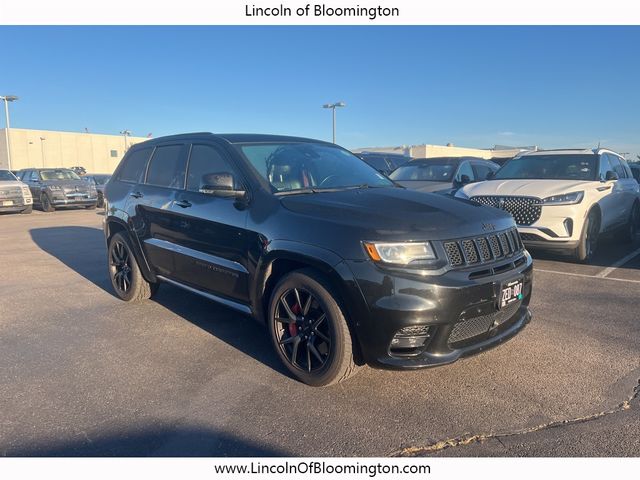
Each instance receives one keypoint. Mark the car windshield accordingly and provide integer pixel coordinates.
(310, 167)
(425, 172)
(550, 167)
(58, 174)
(7, 176)
(101, 179)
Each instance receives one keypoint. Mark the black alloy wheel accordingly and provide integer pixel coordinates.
(304, 335)
(120, 267)
(125, 275)
(45, 203)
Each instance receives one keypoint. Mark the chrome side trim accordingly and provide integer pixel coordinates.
(189, 252)
(224, 301)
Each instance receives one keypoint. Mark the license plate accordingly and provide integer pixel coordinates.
(7, 203)
(77, 195)
(511, 292)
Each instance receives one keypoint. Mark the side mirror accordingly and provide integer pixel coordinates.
(221, 184)
(611, 175)
(464, 179)
(490, 175)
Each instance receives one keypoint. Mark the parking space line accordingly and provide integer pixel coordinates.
(618, 264)
(586, 276)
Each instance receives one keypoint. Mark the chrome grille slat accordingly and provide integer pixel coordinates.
(525, 210)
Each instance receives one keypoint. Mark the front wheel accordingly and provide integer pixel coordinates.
(589, 239)
(45, 202)
(125, 275)
(309, 331)
(27, 210)
(631, 233)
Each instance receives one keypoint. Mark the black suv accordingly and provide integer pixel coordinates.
(52, 188)
(342, 265)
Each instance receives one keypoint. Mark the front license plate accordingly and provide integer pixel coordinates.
(7, 203)
(510, 292)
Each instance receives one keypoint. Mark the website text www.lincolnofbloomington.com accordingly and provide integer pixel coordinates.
(322, 468)
(321, 10)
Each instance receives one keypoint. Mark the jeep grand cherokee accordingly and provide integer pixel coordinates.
(342, 265)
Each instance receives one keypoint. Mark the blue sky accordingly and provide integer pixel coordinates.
(472, 86)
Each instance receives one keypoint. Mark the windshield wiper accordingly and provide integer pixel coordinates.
(297, 191)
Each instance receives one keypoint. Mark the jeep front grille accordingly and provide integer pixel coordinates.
(484, 249)
(525, 210)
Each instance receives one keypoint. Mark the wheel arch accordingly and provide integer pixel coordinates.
(115, 225)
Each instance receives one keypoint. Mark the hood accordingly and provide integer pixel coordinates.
(71, 183)
(398, 213)
(425, 186)
(11, 184)
(531, 188)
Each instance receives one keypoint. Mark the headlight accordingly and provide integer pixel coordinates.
(26, 192)
(564, 199)
(399, 253)
(54, 187)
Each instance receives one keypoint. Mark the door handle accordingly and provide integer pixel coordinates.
(183, 203)
(136, 195)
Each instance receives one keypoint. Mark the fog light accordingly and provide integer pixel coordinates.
(568, 226)
(410, 340)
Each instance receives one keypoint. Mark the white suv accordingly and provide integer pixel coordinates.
(564, 199)
(14, 195)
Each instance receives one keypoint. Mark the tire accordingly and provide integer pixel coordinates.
(45, 203)
(326, 362)
(588, 239)
(631, 233)
(124, 272)
(27, 210)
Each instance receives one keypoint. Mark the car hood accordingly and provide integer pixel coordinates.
(11, 184)
(66, 183)
(425, 186)
(532, 188)
(398, 213)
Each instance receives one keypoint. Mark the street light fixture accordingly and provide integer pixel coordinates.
(125, 133)
(7, 99)
(333, 107)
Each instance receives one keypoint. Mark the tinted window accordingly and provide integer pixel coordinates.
(635, 170)
(550, 167)
(466, 170)
(605, 166)
(134, 165)
(426, 172)
(204, 161)
(617, 166)
(482, 170)
(379, 163)
(58, 174)
(7, 176)
(166, 168)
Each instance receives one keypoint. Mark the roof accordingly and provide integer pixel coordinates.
(445, 159)
(570, 151)
(240, 138)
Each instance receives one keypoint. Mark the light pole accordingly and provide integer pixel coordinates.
(42, 139)
(125, 133)
(333, 107)
(7, 99)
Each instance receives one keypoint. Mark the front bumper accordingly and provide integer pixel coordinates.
(448, 303)
(15, 204)
(558, 228)
(61, 201)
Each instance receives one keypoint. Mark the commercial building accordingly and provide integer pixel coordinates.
(46, 148)
(430, 151)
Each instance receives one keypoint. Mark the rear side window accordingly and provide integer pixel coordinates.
(134, 165)
(167, 167)
(482, 171)
(204, 161)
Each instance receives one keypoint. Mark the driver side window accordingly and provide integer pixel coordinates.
(605, 166)
(465, 170)
(206, 162)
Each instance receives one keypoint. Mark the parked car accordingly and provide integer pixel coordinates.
(564, 199)
(635, 171)
(442, 174)
(342, 265)
(384, 162)
(80, 171)
(53, 188)
(99, 180)
(14, 195)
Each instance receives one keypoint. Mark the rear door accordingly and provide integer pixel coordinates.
(210, 238)
(628, 186)
(612, 203)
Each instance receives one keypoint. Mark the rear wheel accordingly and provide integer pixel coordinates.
(27, 210)
(125, 275)
(309, 331)
(45, 202)
(589, 239)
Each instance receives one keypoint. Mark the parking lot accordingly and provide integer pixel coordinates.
(86, 374)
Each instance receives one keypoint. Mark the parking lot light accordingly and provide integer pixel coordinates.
(333, 107)
(7, 99)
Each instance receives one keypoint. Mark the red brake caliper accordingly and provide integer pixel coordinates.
(293, 329)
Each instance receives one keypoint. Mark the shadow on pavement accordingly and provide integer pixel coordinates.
(154, 442)
(82, 249)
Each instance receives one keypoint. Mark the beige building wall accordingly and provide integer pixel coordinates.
(430, 151)
(46, 148)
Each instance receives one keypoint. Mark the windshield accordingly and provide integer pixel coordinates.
(550, 167)
(425, 172)
(7, 176)
(290, 167)
(58, 174)
(101, 179)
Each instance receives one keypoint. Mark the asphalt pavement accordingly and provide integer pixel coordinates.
(86, 374)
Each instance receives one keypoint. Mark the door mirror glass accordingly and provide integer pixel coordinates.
(464, 179)
(221, 184)
(611, 175)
